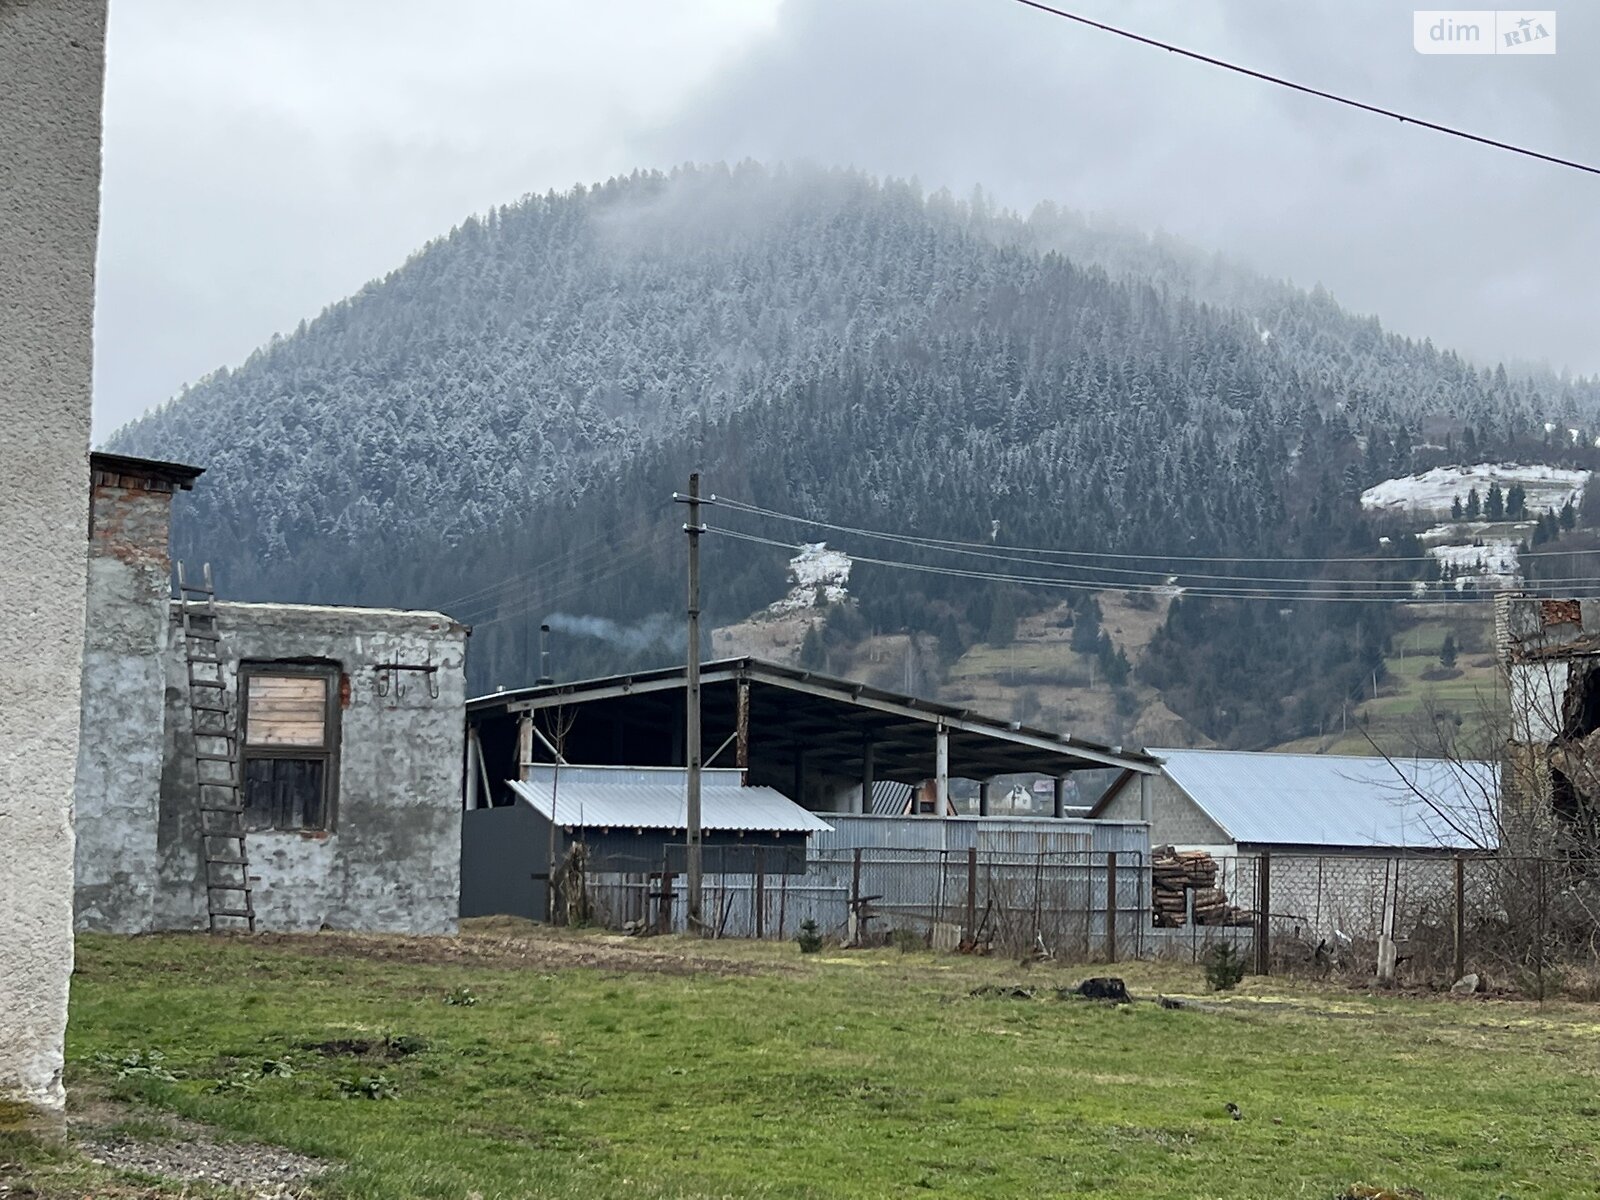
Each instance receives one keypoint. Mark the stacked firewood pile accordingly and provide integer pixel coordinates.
(1175, 873)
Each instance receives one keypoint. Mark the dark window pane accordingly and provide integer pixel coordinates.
(284, 793)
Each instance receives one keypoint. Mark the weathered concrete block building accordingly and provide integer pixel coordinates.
(350, 734)
(1550, 653)
(354, 816)
(126, 647)
(52, 54)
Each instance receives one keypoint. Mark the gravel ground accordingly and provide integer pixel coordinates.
(250, 1168)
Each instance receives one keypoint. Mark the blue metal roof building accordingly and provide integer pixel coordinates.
(1254, 801)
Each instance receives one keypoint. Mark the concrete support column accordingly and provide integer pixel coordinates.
(867, 765)
(941, 771)
(1147, 800)
(524, 745)
(1058, 802)
(983, 798)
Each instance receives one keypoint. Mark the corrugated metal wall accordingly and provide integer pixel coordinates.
(1008, 835)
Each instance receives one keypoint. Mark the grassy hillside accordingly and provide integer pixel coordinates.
(1419, 690)
(1038, 678)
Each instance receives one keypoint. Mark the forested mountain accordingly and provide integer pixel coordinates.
(520, 399)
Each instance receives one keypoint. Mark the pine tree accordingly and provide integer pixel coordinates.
(1447, 651)
(1569, 516)
(1495, 505)
(1517, 502)
(813, 655)
(1474, 505)
(1114, 663)
(1003, 620)
(1086, 628)
(951, 646)
(1455, 509)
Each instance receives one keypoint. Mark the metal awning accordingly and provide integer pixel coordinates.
(629, 798)
(833, 723)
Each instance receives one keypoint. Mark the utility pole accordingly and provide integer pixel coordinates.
(691, 755)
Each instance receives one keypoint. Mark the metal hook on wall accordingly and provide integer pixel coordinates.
(390, 677)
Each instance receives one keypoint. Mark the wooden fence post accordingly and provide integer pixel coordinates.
(1539, 962)
(1263, 912)
(664, 918)
(1461, 917)
(853, 922)
(1111, 906)
(972, 894)
(760, 897)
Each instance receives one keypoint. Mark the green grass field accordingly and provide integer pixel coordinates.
(1399, 718)
(596, 1066)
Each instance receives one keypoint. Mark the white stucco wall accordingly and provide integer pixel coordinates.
(1174, 818)
(51, 61)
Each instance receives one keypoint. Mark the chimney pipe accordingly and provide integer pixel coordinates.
(544, 656)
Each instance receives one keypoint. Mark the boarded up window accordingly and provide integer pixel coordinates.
(291, 739)
(285, 793)
(288, 710)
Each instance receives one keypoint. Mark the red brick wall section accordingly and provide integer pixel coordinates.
(1560, 612)
(130, 519)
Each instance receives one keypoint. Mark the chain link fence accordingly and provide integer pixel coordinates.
(1527, 926)
(1082, 905)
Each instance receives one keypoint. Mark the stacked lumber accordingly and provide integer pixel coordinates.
(1176, 873)
(1211, 907)
(1169, 885)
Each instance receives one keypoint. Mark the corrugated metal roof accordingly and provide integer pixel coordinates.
(656, 798)
(890, 799)
(1334, 800)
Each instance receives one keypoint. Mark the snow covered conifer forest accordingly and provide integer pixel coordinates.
(520, 398)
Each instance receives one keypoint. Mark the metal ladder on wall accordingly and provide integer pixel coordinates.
(218, 790)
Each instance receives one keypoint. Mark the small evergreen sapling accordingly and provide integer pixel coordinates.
(809, 939)
(1224, 967)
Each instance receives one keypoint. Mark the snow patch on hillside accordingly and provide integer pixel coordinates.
(1432, 491)
(820, 577)
(1494, 563)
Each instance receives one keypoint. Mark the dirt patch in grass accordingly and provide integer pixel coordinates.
(504, 944)
(116, 1151)
(193, 1156)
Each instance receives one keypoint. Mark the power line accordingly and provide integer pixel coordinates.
(1169, 575)
(1310, 91)
(599, 573)
(1047, 554)
(576, 558)
(1311, 593)
(579, 558)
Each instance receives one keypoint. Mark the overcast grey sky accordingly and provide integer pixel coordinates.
(264, 158)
